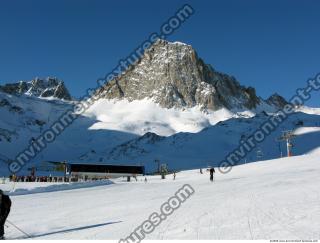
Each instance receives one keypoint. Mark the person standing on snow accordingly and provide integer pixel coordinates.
(212, 171)
(5, 205)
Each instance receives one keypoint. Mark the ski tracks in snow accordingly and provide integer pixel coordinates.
(272, 217)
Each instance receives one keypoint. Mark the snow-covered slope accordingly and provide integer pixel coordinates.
(106, 124)
(142, 116)
(276, 199)
(211, 145)
(114, 131)
(23, 118)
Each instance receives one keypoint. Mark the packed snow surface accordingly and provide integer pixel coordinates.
(275, 199)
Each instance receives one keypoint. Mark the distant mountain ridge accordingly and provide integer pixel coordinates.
(44, 88)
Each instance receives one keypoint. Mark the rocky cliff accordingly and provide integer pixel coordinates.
(173, 75)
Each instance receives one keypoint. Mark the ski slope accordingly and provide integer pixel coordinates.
(275, 199)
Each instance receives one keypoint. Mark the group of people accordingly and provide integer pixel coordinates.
(30, 178)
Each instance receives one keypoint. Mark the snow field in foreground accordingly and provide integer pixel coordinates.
(275, 199)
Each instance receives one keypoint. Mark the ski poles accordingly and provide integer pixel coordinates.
(26, 234)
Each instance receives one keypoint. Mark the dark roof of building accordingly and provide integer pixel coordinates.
(106, 168)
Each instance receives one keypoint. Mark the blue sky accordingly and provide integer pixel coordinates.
(273, 46)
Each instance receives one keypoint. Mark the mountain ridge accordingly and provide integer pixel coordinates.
(41, 88)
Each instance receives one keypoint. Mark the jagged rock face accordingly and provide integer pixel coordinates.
(277, 101)
(173, 75)
(50, 87)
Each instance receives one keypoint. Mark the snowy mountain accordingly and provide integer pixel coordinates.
(169, 106)
(44, 88)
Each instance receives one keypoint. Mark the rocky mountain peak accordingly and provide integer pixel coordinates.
(277, 100)
(172, 74)
(49, 87)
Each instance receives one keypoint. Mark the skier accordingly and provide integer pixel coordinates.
(5, 205)
(145, 180)
(212, 171)
(174, 175)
